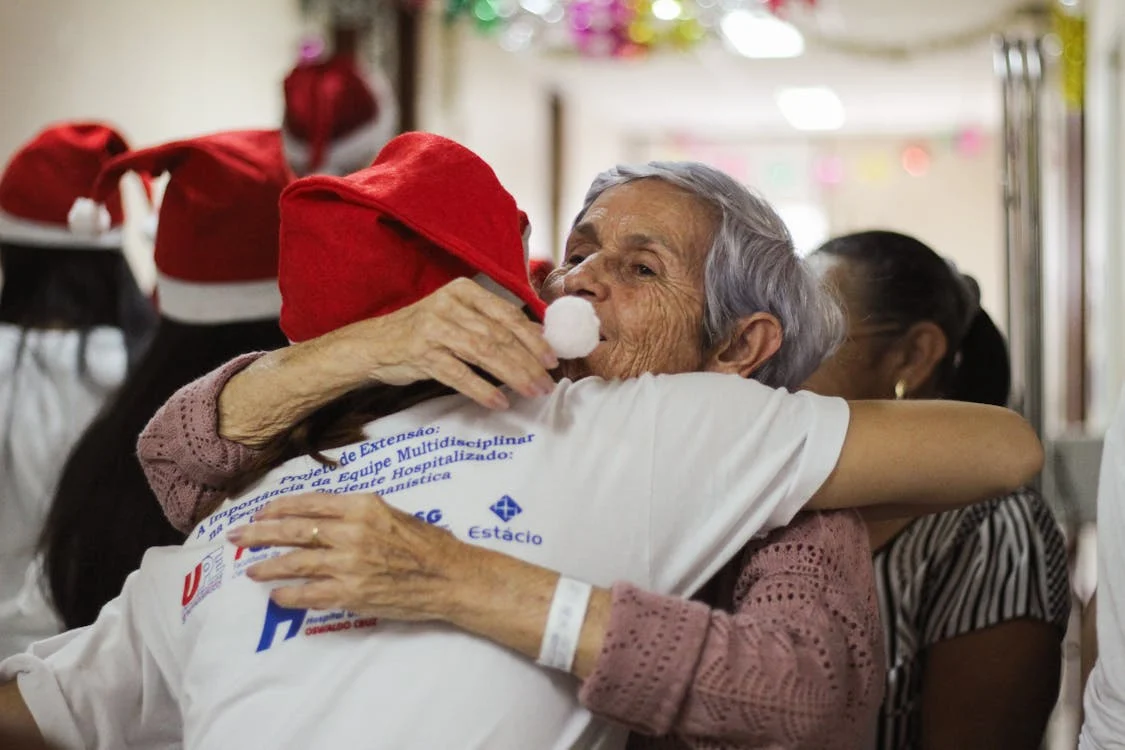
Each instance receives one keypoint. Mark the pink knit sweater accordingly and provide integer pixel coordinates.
(783, 649)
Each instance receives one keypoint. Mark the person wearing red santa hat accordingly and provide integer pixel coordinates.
(233, 662)
(539, 269)
(337, 116)
(216, 260)
(71, 319)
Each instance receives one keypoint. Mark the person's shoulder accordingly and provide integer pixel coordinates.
(1019, 526)
(1011, 515)
(55, 349)
(699, 384)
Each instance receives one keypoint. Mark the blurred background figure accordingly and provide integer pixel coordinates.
(71, 319)
(337, 117)
(216, 260)
(539, 269)
(974, 601)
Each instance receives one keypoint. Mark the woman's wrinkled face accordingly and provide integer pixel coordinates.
(857, 370)
(638, 256)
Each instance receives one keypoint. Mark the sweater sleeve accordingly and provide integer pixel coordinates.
(183, 456)
(798, 664)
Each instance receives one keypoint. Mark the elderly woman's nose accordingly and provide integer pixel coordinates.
(587, 280)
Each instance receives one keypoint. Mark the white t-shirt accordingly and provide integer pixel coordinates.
(46, 402)
(658, 480)
(1104, 702)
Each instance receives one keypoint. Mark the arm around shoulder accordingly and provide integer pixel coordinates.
(184, 458)
(929, 455)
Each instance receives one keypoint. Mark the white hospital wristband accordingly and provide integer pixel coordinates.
(564, 624)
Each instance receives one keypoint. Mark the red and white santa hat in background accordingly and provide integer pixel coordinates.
(337, 116)
(539, 269)
(46, 189)
(428, 211)
(217, 235)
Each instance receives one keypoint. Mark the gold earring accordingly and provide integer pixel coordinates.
(900, 390)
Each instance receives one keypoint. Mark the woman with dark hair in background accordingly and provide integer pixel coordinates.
(71, 318)
(216, 260)
(974, 601)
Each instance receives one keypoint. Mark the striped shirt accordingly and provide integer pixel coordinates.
(949, 574)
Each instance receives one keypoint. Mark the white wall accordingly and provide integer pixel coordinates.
(157, 69)
(954, 208)
(1105, 207)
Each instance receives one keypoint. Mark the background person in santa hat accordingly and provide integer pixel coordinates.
(216, 261)
(337, 116)
(614, 454)
(71, 319)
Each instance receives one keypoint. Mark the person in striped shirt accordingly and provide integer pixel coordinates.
(974, 601)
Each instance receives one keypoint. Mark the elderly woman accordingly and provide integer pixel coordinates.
(648, 253)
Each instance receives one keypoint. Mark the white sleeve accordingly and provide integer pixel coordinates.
(733, 459)
(1105, 689)
(27, 617)
(99, 686)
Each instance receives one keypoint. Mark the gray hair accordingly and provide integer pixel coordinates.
(751, 267)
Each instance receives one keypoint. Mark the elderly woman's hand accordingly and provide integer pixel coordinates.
(463, 324)
(437, 338)
(360, 554)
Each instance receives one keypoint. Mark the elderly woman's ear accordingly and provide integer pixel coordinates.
(755, 339)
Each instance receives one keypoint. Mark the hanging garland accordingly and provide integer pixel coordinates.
(604, 28)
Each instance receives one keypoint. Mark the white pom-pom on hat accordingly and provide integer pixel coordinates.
(571, 327)
(88, 219)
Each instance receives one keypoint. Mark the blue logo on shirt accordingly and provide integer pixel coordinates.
(506, 508)
(276, 616)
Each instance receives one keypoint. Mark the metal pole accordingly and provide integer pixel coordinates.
(1003, 72)
(1019, 65)
(1033, 217)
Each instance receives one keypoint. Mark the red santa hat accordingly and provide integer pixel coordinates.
(336, 117)
(539, 269)
(428, 211)
(217, 236)
(46, 189)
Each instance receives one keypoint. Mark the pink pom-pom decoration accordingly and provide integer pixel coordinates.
(571, 327)
(88, 219)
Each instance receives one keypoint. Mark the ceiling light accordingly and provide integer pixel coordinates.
(815, 108)
(667, 10)
(760, 35)
(538, 7)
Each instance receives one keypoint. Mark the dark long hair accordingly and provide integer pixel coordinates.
(75, 289)
(104, 516)
(905, 282)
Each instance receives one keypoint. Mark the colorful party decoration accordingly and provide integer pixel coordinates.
(969, 142)
(604, 28)
(829, 171)
(916, 160)
(874, 168)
